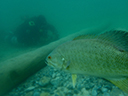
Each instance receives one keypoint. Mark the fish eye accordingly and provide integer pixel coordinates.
(49, 57)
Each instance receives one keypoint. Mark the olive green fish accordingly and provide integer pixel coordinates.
(104, 55)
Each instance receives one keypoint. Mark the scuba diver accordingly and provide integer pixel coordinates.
(33, 31)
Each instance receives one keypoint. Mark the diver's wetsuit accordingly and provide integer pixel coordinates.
(33, 29)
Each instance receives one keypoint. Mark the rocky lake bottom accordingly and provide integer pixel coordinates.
(51, 82)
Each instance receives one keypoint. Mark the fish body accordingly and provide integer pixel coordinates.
(94, 56)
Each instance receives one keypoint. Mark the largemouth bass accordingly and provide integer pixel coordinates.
(104, 55)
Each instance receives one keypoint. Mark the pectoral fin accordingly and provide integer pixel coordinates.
(122, 84)
(68, 63)
(74, 77)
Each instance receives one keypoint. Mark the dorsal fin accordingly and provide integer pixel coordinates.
(118, 38)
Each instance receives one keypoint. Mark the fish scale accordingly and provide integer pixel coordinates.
(74, 53)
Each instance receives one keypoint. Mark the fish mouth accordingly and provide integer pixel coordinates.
(52, 64)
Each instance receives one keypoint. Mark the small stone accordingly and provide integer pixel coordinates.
(89, 86)
(97, 87)
(106, 94)
(56, 95)
(65, 90)
(108, 87)
(46, 89)
(76, 91)
(28, 94)
(115, 92)
(94, 92)
(55, 69)
(36, 94)
(104, 90)
(55, 81)
(58, 74)
(39, 90)
(85, 92)
(61, 91)
(79, 87)
(70, 87)
(65, 84)
(45, 94)
(69, 94)
(54, 75)
(122, 94)
(30, 88)
(44, 81)
(75, 95)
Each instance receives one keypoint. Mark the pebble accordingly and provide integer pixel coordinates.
(79, 87)
(28, 94)
(76, 91)
(30, 88)
(104, 90)
(85, 92)
(75, 95)
(106, 94)
(44, 81)
(69, 94)
(94, 92)
(55, 81)
(54, 75)
(109, 87)
(69, 86)
(89, 86)
(122, 94)
(45, 94)
(115, 92)
(36, 94)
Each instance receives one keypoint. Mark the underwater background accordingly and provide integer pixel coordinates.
(67, 16)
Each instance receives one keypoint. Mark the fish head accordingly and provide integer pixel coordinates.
(55, 59)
